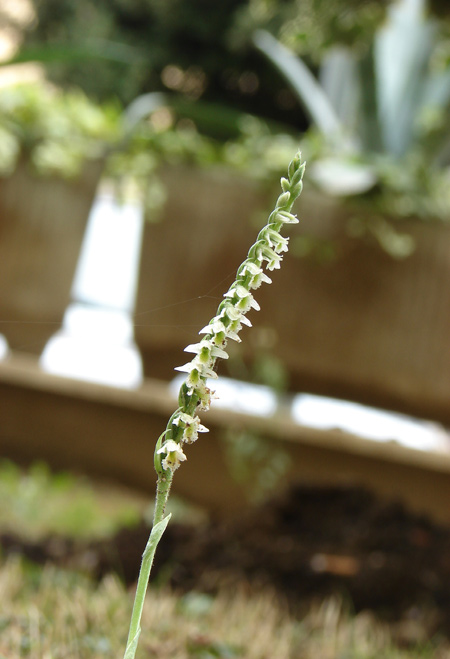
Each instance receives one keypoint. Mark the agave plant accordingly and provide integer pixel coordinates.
(380, 116)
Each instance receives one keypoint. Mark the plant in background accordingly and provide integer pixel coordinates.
(57, 131)
(381, 134)
(195, 394)
(310, 27)
(153, 46)
(255, 462)
(165, 129)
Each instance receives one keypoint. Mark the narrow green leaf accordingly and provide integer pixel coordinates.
(402, 50)
(156, 534)
(131, 648)
(339, 79)
(436, 91)
(304, 84)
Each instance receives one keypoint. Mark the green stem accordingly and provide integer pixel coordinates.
(162, 494)
(159, 525)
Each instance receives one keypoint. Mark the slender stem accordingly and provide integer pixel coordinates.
(162, 494)
(159, 524)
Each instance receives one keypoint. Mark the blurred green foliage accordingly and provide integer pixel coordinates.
(37, 502)
(309, 27)
(124, 48)
(255, 462)
(380, 135)
(57, 132)
(178, 45)
(389, 155)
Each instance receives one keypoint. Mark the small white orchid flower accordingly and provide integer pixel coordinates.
(251, 267)
(187, 368)
(245, 301)
(215, 326)
(234, 336)
(209, 373)
(191, 431)
(274, 264)
(205, 394)
(278, 242)
(191, 427)
(206, 351)
(258, 276)
(182, 417)
(273, 259)
(235, 327)
(241, 291)
(230, 310)
(286, 218)
(174, 455)
(245, 321)
(196, 368)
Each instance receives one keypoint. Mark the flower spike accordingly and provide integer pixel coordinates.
(194, 395)
(227, 323)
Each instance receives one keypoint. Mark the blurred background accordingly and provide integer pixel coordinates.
(141, 146)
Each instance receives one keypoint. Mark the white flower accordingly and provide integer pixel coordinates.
(251, 267)
(194, 378)
(234, 329)
(208, 372)
(241, 291)
(258, 276)
(174, 455)
(219, 339)
(233, 336)
(244, 303)
(230, 317)
(218, 329)
(286, 218)
(274, 264)
(205, 394)
(196, 368)
(206, 351)
(247, 303)
(182, 417)
(278, 242)
(216, 326)
(230, 311)
(245, 321)
(187, 368)
(191, 427)
(268, 254)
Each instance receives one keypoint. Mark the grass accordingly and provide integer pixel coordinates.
(54, 614)
(49, 613)
(57, 614)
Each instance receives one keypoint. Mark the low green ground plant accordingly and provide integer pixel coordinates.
(36, 502)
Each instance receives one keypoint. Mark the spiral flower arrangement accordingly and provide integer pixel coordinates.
(195, 394)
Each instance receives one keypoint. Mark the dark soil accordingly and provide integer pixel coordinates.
(311, 543)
